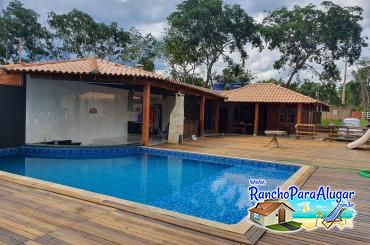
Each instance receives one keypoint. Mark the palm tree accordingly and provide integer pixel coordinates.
(319, 214)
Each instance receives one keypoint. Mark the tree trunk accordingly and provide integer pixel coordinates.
(209, 75)
(298, 66)
(291, 77)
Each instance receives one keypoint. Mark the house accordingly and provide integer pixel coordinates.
(266, 106)
(271, 213)
(96, 102)
(91, 101)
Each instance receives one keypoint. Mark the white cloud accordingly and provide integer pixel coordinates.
(156, 29)
(150, 17)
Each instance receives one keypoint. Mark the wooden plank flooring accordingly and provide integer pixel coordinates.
(338, 167)
(33, 216)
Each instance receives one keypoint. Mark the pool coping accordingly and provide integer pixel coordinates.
(242, 227)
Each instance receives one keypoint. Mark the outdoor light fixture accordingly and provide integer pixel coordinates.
(93, 110)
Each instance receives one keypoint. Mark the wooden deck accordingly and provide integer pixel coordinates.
(32, 216)
(337, 167)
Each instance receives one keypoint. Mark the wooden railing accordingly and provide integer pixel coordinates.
(329, 132)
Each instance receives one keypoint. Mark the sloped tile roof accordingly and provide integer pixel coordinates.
(84, 66)
(266, 208)
(267, 93)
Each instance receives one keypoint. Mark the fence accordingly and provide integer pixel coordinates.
(336, 113)
(329, 132)
(366, 115)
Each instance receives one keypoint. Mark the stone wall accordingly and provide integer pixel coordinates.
(176, 127)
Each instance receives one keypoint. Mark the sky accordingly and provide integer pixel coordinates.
(149, 16)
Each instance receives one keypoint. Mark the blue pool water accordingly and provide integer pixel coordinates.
(207, 189)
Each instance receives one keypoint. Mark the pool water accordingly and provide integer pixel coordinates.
(209, 190)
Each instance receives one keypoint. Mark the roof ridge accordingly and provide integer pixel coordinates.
(48, 62)
(296, 92)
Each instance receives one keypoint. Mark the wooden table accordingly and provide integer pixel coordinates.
(274, 134)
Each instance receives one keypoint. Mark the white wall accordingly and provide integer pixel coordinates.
(273, 218)
(58, 110)
(168, 104)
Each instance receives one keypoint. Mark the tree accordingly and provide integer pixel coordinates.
(19, 27)
(235, 73)
(326, 92)
(77, 34)
(310, 38)
(201, 32)
(181, 57)
(319, 215)
(358, 90)
(142, 50)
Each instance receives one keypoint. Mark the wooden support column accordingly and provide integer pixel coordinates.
(201, 115)
(217, 116)
(256, 117)
(146, 113)
(299, 113)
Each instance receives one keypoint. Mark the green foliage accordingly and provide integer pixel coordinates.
(358, 90)
(326, 92)
(19, 25)
(353, 89)
(234, 73)
(328, 122)
(310, 38)
(73, 34)
(142, 50)
(201, 32)
(295, 224)
(79, 35)
(277, 227)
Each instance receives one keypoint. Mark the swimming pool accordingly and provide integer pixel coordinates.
(209, 187)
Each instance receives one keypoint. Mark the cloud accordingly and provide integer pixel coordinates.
(156, 29)
(149, 16)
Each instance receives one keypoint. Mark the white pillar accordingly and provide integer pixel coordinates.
(176, 127)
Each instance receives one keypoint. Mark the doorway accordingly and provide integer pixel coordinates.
(281, 215)
(223, 120)
(156, 119)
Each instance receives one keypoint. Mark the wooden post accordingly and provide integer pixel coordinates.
(256, 117)
(201, 115)
(299, 113)
(217, 116)
(146, 113)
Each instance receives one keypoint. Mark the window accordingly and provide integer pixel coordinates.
(134, 102)
(287, 115)
(256, 216)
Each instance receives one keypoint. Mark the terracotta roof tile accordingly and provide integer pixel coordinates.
(98, 67)
(266, 208)
(267, 93)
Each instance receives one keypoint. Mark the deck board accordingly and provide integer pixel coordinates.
(338, 167)
(33, 216)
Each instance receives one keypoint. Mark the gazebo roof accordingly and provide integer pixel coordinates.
(267, 93)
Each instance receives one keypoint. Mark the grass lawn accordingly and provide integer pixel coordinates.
(279, 227)
(295, 224)
(339, 122)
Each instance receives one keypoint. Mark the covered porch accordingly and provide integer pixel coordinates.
(256, 118)
(255, 108)
(96, 102)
